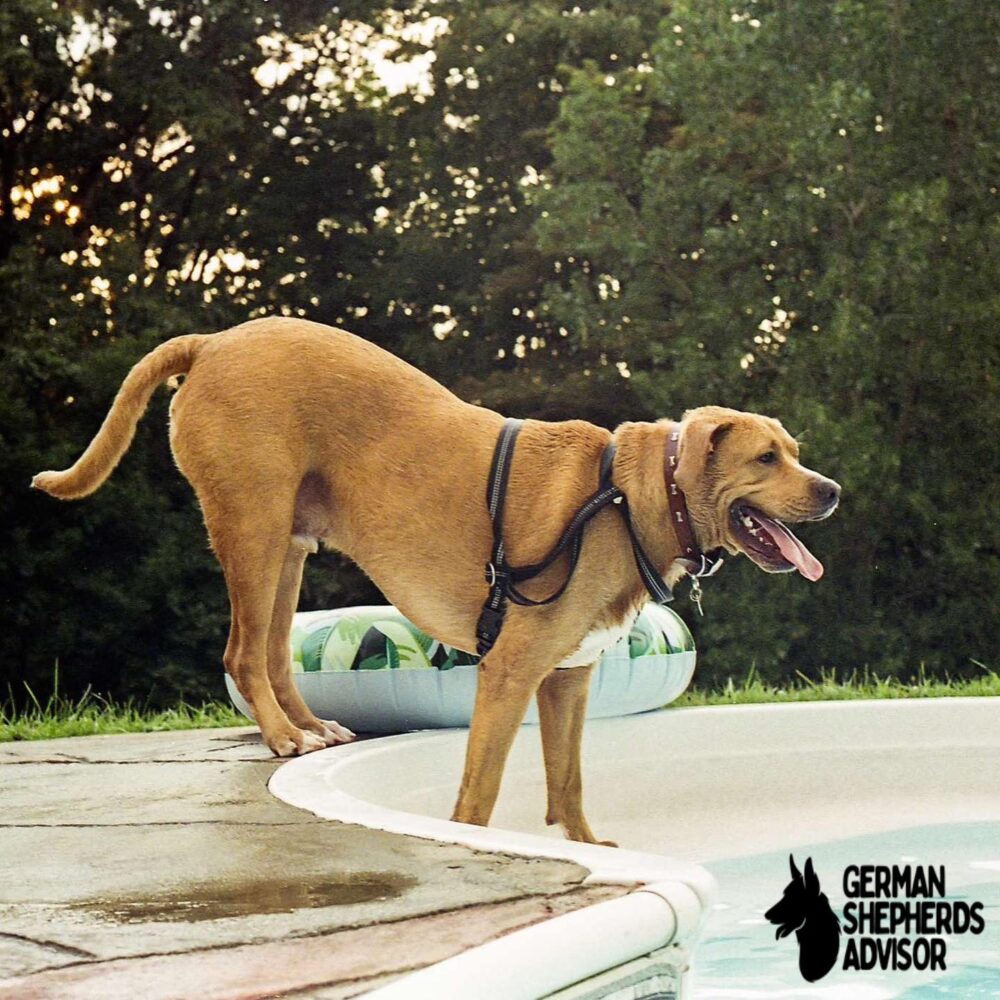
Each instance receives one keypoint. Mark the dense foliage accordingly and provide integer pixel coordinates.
(613, 210)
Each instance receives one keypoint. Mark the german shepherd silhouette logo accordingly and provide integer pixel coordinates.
(806, 910)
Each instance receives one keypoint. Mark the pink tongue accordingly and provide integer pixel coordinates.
(791, 548)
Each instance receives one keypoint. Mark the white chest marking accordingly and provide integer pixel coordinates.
(596, 643)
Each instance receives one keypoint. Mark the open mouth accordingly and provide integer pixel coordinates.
(770, 544)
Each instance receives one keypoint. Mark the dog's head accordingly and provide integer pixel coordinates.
(741, 476)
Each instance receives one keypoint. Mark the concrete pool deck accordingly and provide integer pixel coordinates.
(158, 865)
(161, 865)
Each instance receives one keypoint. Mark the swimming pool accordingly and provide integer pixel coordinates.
(739, 957)
(728, 791)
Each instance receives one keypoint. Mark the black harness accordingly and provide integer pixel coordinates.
(503, 578)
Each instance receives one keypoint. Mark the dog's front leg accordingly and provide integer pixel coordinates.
(562, 711)
(504, 689)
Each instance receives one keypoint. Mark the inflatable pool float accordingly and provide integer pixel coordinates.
(374, 671)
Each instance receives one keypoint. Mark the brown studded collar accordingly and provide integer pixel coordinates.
(697, 563)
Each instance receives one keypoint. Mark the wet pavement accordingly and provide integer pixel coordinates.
(159, 865)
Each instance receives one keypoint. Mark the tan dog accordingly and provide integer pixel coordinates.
(292, 433)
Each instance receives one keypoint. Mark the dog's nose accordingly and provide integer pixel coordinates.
(827, 492)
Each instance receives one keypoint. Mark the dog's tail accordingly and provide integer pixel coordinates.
(113, 439)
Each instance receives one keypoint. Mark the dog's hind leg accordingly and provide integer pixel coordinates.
(562, 711)
(251, 539)
(278, 653)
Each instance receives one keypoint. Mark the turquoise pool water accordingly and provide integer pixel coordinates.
(740, 959)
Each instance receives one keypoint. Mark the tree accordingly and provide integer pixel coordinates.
(164, 169)
(797, 216)
(617, 209)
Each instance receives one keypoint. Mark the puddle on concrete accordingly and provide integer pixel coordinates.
(215, 900)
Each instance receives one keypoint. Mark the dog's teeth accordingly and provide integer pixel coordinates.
(748, 522)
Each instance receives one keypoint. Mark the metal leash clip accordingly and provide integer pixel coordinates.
(710, 567)
(696, 595)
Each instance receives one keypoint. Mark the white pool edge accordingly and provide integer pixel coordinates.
(540, 960)
(565, 951)
(295, 783)
(667, 908)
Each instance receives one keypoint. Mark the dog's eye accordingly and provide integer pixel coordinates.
(768, 458)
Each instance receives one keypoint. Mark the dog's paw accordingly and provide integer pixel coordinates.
(581, 833)
(335, 733)
(295, 742)
(589, 838)
(331, 733)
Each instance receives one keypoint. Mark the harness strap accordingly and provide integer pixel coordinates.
(658, 588)
(570, 538)
(655, 585)
(502, 578)
(491, 617)
(496, 489)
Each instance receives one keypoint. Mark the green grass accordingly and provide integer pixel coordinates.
(92, 715)
(752, 690)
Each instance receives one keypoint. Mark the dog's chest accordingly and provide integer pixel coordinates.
(597, 643)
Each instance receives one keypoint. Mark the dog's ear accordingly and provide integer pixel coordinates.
(796, 874)
(702, 431)
(812, 881)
